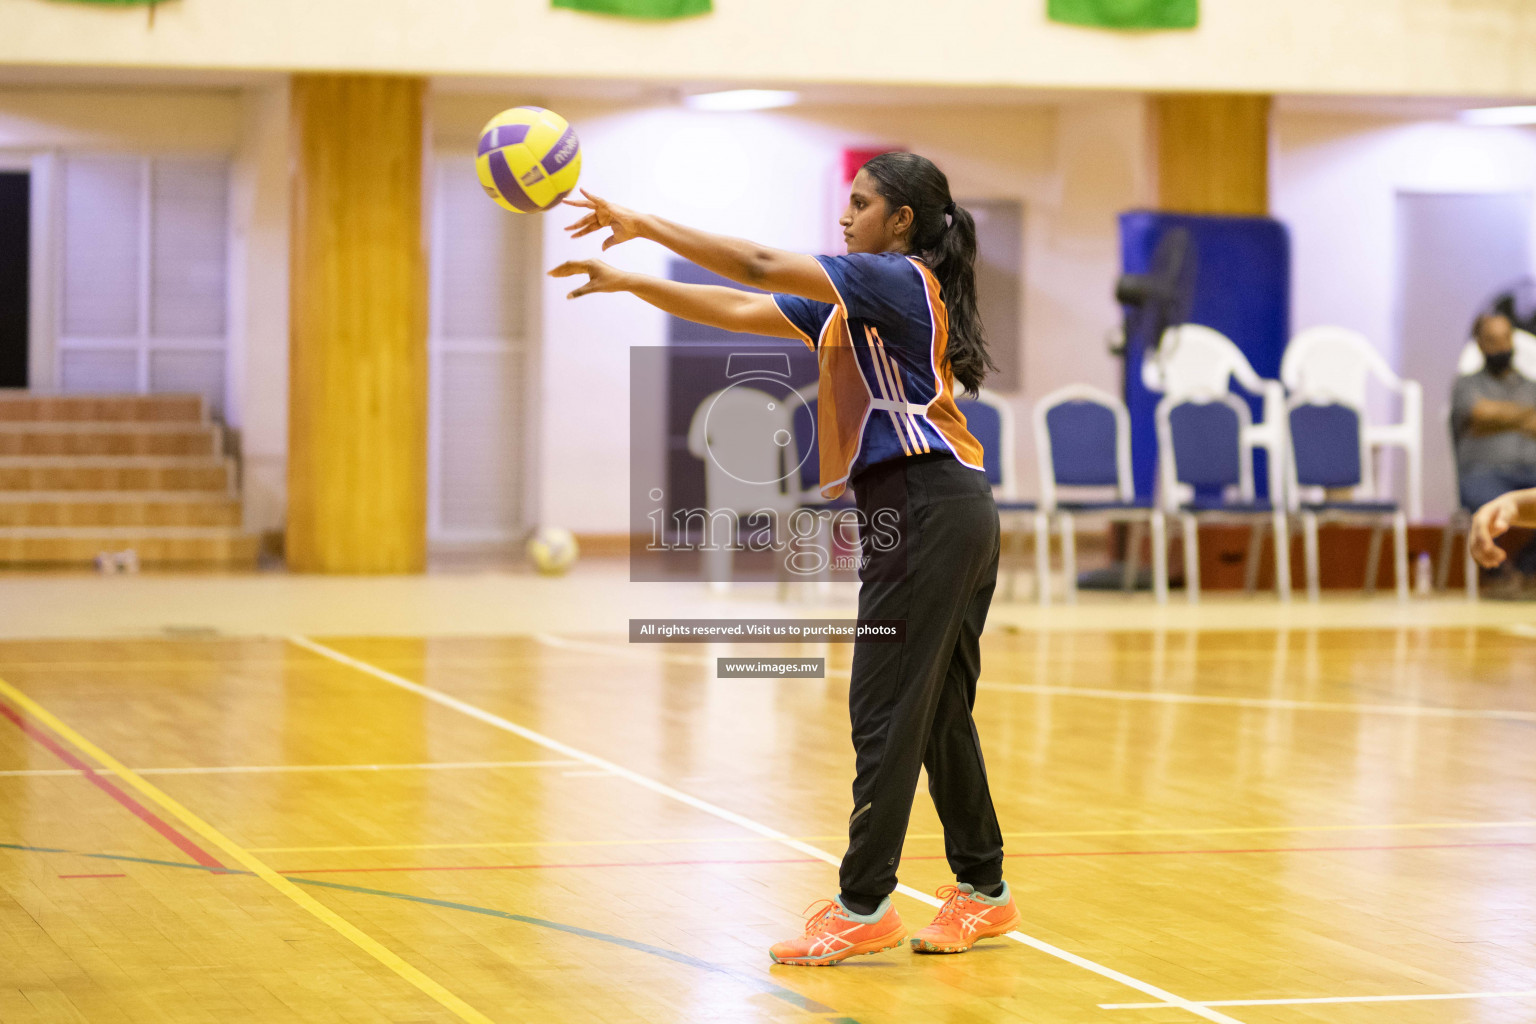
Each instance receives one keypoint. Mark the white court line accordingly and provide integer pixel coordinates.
(1524, 994)
(261, 769)
(1410, 710)
(661, 788)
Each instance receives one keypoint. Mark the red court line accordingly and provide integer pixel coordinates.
(812, 860)
(118, 875)
(146, 815)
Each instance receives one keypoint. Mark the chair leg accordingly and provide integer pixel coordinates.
(1069, 558)
(1010, 552)
(1191, 558)
(1309, 545)
(1129, 569)
(717, 568)
(1159, 558)
(1043, 558)
(1400, 553)
(1255, 551)
(1447, 548)
(1282, 555)
(1373, 561)
(824, 537)
(1471, 571)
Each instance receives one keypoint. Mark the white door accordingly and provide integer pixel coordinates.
(484, 266)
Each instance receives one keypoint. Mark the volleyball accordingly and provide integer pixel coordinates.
(529, 159)
(552, 550)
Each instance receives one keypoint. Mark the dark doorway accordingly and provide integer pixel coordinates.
(15, 249)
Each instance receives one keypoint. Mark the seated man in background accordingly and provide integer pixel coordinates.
(1493, 419)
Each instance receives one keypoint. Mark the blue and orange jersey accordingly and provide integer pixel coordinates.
(885, 387)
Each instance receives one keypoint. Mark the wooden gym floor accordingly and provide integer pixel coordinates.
(1245, 824)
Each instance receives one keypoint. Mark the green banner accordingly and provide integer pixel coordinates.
(1130, 14)
(652, 10)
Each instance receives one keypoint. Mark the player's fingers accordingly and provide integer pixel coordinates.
(1498, 523)
(583, 222)
(1489, 556)
(585, 204)
(1480, 542)
(570, 267)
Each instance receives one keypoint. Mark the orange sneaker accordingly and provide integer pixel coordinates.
(832, 934)
(965, 918)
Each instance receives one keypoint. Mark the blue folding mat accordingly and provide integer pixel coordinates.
(1242, 289)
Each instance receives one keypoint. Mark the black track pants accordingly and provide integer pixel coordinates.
(911, 702)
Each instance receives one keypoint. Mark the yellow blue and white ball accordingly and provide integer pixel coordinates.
(552, 550)
(529, 159)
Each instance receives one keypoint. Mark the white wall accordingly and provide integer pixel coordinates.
(121, 120)
(258, 337)
(1335, 181)
(249, 127)
(1384, 47)
(770, 176)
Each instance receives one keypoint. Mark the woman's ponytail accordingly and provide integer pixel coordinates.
(944, 236)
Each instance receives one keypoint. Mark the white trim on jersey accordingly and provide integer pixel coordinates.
(887, 393)
(900, 389)
(933, 361)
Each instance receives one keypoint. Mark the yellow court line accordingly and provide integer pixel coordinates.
(673, 841)
(346, 929)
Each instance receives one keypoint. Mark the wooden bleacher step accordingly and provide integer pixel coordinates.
(181, 545)
(26, 407)
(118, 508)
(109, 438)
(82, 475)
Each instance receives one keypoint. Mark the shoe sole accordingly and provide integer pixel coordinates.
(924, 946)
(891, 941)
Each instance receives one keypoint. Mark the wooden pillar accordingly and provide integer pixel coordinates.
(357, 444)
(1212, 153)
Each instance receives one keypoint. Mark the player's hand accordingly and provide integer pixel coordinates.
(624, 223)
(1491, 521)
(600, 277)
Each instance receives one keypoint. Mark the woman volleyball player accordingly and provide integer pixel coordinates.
(895, 326)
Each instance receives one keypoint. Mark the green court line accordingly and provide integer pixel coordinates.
(790, 996)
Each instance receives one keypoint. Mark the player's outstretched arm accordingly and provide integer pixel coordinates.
(726, 308)
(774, 270)
(1493, 520)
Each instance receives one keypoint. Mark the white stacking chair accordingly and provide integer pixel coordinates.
(1195, 362)
(1083, 440)
(1205, 444)
(989, 418)
(1330, 453)
(1460, 522)
(1336, 364)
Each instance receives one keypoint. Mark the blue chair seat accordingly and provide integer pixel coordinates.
(1136, 504)
(1017, 506)
(1384, 508)
(1239, 508)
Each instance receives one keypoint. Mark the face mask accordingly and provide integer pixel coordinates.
(1498, 362)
